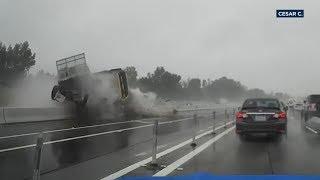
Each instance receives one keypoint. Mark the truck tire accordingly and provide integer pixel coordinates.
(54, 91)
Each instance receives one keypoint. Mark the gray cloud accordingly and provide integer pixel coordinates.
(205, 39)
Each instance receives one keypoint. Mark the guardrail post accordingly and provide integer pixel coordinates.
(37, 157)
(214, 122)
(4, 115)
(155, 144)
(225, 118)
(193, 144)
(233, 115)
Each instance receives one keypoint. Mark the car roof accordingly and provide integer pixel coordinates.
(317, 95)
(262, 99)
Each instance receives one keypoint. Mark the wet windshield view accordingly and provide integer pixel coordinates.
(164, 89)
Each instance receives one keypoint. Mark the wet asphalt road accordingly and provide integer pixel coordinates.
(98, 152)
(120, 142)
(294, 154)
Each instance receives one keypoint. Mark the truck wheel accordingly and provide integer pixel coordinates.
(54, 91)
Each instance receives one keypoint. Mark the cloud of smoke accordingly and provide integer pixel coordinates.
(104, 96)
(149, 104)
(104, 89)
(33, 91)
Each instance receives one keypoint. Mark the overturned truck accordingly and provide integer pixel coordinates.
(78, 85)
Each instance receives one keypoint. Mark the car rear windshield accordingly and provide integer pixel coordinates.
(314, 98)
(261, 103)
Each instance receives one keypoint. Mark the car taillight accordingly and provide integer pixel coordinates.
(312, 107)
(240, 116)
(281, 115)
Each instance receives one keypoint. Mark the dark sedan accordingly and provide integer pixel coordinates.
(261, 115)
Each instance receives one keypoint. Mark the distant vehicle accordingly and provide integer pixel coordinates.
(312, 106)
(77, 84)
(291, 102)
(261, 115)
(298, 106)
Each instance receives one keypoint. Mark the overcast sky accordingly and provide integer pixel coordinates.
(241, 39)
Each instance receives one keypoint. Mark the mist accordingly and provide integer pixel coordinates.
(149, 104)
(32, 91)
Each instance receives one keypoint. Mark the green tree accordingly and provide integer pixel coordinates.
(15, 61)
(226, 88)
(256, 93)
(162, 82)
(194, 89)
(204, 83)
(194, 84)
(131, 75)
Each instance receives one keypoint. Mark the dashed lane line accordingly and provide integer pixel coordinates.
(192, 154)
(163, 153)
(312, 130)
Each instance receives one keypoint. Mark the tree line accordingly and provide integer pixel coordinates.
(170, 85)
(15, 61)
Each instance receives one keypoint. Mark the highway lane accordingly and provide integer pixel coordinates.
(296, 153)
(88, 143)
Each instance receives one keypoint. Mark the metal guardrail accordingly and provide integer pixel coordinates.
(20, 115)
(228, 115)
(227, 119)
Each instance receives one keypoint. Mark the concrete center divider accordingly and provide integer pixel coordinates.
(21, 115)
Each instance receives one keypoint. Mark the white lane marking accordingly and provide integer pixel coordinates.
(16, 148)
(87, 136)
(96, 134)
(83, 127)
(158, 147)
(190, 155)
(312, 130)
(165, 152)
(162, 146)
(174, 121)
(144, 122)
(141, 154)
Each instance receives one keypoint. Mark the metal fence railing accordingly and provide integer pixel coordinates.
(149, 134)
